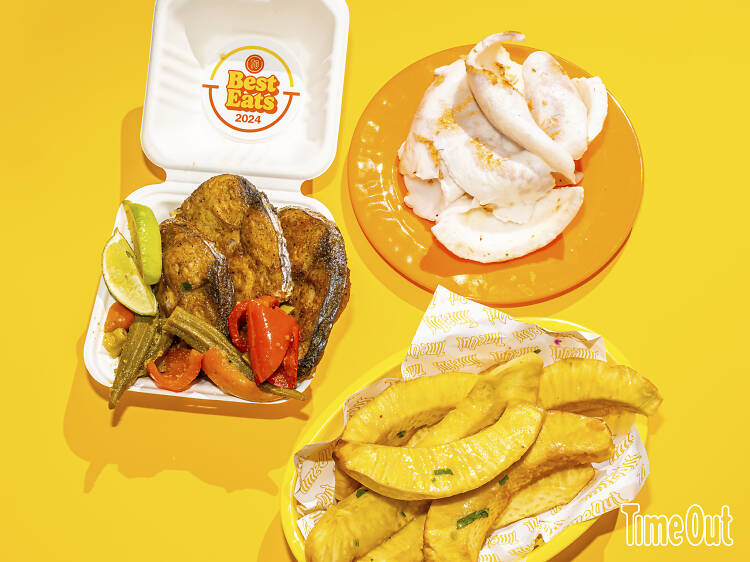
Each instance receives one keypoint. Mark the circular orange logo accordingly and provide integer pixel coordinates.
(251, 89)
(254, 63)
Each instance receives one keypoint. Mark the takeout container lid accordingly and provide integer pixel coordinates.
(199, 121)
(300, 41)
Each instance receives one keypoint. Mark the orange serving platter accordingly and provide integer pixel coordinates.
(613, 187)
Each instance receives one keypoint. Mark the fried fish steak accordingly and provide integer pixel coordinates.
(195, 275)
(321, 280)
(229, 211)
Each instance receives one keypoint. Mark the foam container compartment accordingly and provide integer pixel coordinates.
(193, 44)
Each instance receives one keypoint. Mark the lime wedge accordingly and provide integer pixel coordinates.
(144, 232)
(123, 279)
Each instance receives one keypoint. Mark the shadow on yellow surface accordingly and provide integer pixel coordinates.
(141, 441)
(274, 536)
(136, 170)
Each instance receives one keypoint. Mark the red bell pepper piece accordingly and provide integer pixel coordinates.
(181, 367)
(269, 334)
(238, 317)
(272, 340)
(286, 375)
(230, 379)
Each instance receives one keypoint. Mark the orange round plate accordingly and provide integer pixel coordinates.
(613, 187)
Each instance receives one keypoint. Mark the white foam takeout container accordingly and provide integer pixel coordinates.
(181, 134)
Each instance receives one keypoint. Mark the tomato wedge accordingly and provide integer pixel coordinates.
(236, 319)
(118, 316)
(230, 379)
(181, 367)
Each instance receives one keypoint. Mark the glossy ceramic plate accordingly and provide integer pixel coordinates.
(328, 425)
(613, 184)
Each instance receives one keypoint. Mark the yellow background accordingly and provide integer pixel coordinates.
(165, 481)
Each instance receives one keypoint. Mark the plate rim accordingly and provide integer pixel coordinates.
(612, 253)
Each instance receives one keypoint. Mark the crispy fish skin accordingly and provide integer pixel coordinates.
(357, 524)
(231, 212)
(564, 440)
(195, 275)
(321, 280)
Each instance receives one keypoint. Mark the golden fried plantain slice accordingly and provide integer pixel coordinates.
(357, 524)
(445, 470)
(457, 526)
(404, 546)
(579, 385)
(555, 489)
(518, 379)
(392, 416)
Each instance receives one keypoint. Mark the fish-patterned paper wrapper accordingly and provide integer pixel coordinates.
(457, 334)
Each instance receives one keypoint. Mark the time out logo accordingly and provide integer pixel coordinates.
(252, 90)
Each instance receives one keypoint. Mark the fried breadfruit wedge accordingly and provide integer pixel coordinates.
(515, 380)
(456, 527)
(357, 524)
(393, 415)
(404, 546)
(195, 275)
(445, 470)
(579, 385)
(551, 491)
(232, 213)
(344, 485)
(321, 280)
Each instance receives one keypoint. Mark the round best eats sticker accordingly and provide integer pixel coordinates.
(253, 91)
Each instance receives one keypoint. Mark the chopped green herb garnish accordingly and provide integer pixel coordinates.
(403, 514)
(454, 534)
(503, 480)
(433, 478)
(401, 433)
(131, 256)
(186, 286)
(469, 519)
(356, 542)
(537, 350)
(439, 471)
(361, 491)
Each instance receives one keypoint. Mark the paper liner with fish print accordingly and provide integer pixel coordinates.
(458, 333)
